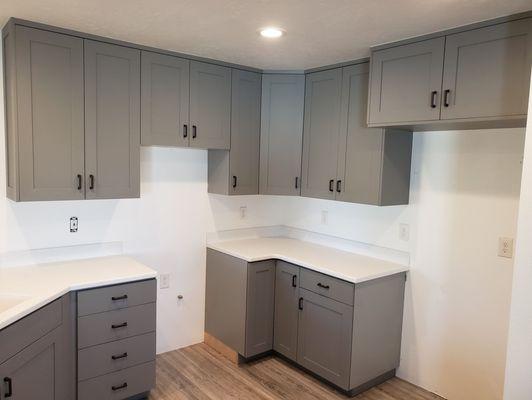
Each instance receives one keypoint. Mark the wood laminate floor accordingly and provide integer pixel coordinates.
(200, 372)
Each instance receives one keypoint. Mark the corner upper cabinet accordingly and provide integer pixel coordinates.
(164, 100)
(281, 134)
(405, 83)
(43, 81)
(321, 133)
(210, 106)
(236, 172)
(112, 121)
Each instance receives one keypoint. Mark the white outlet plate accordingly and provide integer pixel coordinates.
(164, 281)
(243, 212)
(404, 232)
(324, 217)
(506, 247)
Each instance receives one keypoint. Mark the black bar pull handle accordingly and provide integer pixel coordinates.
(433, 99)
(301, 303)
(122, 386)
(321, 285)
(294, 280)
(79, 181)
(234, 181)
(338, 186)
(331, 185)
(9, 387)
(119, 356)
(116, 298)
(446, 97)
(91, 182)
(116, 326)
(185, 131)
(194, 131)
(297, 182)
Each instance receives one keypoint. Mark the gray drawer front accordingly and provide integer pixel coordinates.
(29, 329)
(139, 379)
(327, 286)
(98, 360)
(99, 300)
(97, 328)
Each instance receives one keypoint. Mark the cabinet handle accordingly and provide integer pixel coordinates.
(79, 181)
(91, 182)
(194, 131)
(119, 356)
(446, 98)
(122, 386)
(331, 185)
(297, 182)
(123, 297)
(122, 325)
(294, 280)
(321, 285)
(185, 131)
(9, 387)
(300, 305)
(234, 181)
(433, 99)
(338, 186)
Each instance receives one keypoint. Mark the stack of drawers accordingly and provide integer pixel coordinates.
(116, 341)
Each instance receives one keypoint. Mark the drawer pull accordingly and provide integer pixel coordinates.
(9, 387)
(294, 280)
(300, 303)
(321, 285)
(123, 297)
(433, 99)
(122, 386)
(122, 325)
(119, 356)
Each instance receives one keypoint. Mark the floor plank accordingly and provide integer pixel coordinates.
(201, 373)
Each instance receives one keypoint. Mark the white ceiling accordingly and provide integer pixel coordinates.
(319, 32)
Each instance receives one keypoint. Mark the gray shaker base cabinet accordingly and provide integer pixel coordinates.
(346, 334)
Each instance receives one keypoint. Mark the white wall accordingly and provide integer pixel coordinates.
(519, 361)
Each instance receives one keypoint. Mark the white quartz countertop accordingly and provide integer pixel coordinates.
(341, 264)
(26, 289)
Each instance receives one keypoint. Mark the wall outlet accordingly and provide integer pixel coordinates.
(506, 247)
(324, 217)
(164, 281)
(243, 212)
(404, 232)
(73, 224)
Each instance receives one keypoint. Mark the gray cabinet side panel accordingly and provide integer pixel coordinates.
(112, 123)
(245, 132)
(225, 300)
(165, 100)
(218, 172)
(281, 134)
(377, 328)
(50, 114)
(396, 166)
(260, 305)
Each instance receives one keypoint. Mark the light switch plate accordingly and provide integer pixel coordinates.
(506, 247)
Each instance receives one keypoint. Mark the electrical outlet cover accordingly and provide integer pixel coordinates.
(506, 247)
(164, 282)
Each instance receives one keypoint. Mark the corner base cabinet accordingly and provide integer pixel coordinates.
(347, 334)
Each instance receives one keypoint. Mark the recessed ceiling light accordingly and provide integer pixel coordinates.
(271, 32)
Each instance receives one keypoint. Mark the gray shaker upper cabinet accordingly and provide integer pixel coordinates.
(405, 83)
(112, 121)
(281, 134)
(321, 133)
(210, 106)
(236, 172)
(487, 72)
(165, 100)
(43, 75)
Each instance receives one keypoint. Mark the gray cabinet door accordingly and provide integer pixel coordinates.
(259, 309)
(487, 71)
(49, 68)
(286, 311)
(324, 337)
(360, 147)
(245, 133)
(406, 83)
(112, 121)
(281, 134)
(210, 106)
(321, 133)
(165, 100)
